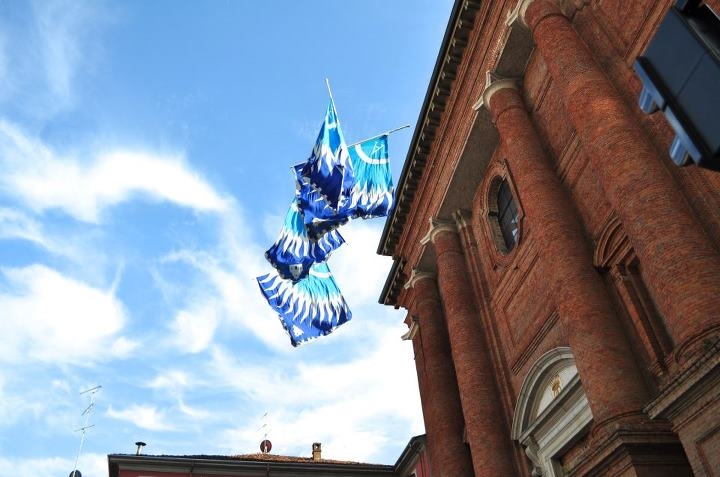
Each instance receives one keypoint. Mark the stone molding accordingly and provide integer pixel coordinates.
(438, 226)
(493, 86)
(689, 386)
(463, 218)
(412, 330)
(417, 275)
(518, 13)
(560, 423)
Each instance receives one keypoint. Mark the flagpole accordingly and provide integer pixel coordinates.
(386, 133)
(327, 83)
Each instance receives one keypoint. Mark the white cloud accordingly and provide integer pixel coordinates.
(171, 381)
(62, 28)
(359, 271)
(142, 416)
(16, 225)
(194, 329)
(356, 404)
(45, 180)
(350, 406)
(194, 413)
(90, 464)
(228, 282)
(53, 318)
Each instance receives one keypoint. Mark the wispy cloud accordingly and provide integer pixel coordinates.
(194, 329)
(43, 47)
(43, 179)
(62, 28)
(311, 395)
(17, 225)
(142, 416)
(53, 318)
(170, 381)
(227, 283)
(343, 405)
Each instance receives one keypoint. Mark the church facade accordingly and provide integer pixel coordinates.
(556, 241)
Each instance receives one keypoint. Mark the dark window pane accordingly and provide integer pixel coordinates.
(507, 215)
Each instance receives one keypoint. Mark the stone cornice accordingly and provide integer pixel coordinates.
(453, 46)
(688, 386)
(393, 284)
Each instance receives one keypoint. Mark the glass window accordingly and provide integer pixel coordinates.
(507, 215)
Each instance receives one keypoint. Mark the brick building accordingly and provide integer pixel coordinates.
(559, 270)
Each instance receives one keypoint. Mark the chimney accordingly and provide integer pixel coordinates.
(139, 445)
(317, 451)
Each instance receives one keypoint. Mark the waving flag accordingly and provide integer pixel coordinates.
(294, 252)
(309, 308)
(328, 169)
(373, 192)
(318, 217)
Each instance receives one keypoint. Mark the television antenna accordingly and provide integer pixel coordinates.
(265, 445)
(86, 425)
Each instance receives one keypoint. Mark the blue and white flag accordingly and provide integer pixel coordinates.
(373, 192)
(319, 218)
(328, 169)
(294, 252)
(309, 308)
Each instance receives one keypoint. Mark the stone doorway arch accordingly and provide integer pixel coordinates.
(552, 411)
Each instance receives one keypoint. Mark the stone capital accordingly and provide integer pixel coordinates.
(493, 83)
(413, 327)
(518, 13)
(438, 226)
(495, 86)
(417, 275)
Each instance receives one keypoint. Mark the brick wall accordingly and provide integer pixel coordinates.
(619, 212)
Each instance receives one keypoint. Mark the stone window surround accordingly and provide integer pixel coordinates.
(485, 219)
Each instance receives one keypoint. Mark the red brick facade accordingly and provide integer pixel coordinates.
(591, 346)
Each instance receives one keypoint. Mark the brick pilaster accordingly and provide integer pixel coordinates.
(442, 412)
(608, 370)
(487, 431)
(680, 265)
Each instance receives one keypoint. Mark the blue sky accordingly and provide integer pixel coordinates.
(145, 153)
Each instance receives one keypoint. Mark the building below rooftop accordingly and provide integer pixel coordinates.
(411, 463)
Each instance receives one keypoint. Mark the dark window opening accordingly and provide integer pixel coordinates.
(680, 71)
(507, 215)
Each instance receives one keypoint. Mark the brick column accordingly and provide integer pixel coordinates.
(608, 370)
(487, 431)
(442, 412)
(680, 265)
